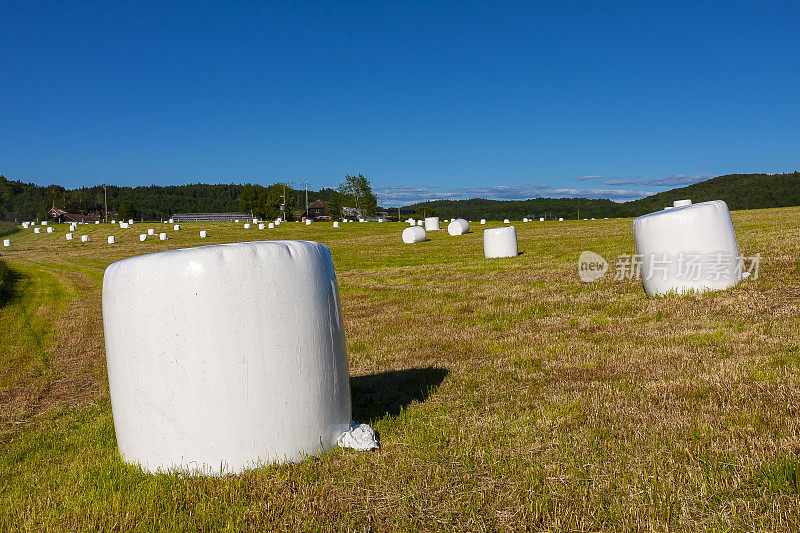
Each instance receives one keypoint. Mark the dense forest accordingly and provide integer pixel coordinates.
(26, 201)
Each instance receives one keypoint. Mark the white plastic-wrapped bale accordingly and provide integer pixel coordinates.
(96, 221)
(506, 221)
(50, 229)
(431, 223)
(413, 234)
(261, 225)
(271, 225)
(37, 230)
(238, 389)
(500, 242)
(246, 225)
(420, 222)
(308, 222)
(6, 242)
(143, 237)
(524, 219)
(203, 234)
(335, 224)
(561, 219)
(111, 239)
(151, 231)
(458, 226)
(681, 203)
(236, 221)
(483, 222)
(176, 227)
(162, 236)
(130, 221)
(44, 222)
(84, 238)
(255, 221)
(689, 248)
(26, 225)
(69, 236)
(541, 219)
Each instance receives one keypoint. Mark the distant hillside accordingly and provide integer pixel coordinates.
(26, 201)
(739, 191)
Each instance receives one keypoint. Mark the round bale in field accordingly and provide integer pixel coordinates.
(500, 242)
(200, 380)
(203, 234)
(162, 236)
(413, 234)
(69, 236)
(84, 238)
(6, 242)
(458, 226)
(111, 239)
(431, 223)
(691, 247)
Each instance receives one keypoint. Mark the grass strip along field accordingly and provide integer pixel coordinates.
(507, 393)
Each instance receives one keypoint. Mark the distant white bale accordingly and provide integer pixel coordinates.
(261, 226)
(176, 227)
(255, 221)
(26, 225)
(681, 203)
(413, 234)
(143, 237)
(130, 221)
(111, 239)
(308, 222)
(524, 219)
(584, 219)
(335, 224)
(380, 220)
(361, 220)
(541, 219)
(171, 221)
(246, 225)
(458, 226)
(483, 221)
(6, 242)
(500, 242)
(151, 231)
(50, 229)
(203, 234)
(271, 225)
(96, 221)
(84, 238)
(199, 380)
(431, 223)
(44, 222)
(69, 236)
(411, 221)
(113, 221)
(37, 230)
(561, 219)
(506, 221)
(690, 248)
(237, 220)
(420, 222)
(162, 236)
(592, 218)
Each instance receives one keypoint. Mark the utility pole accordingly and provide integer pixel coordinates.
(307, 199)
(105, 196)
(284, 202)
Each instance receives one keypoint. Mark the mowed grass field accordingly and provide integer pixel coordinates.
(507, 394)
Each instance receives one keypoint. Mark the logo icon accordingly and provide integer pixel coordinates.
(591, 266)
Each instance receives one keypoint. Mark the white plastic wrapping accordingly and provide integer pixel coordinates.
(458, 226)
(308, 222)
(176, 227)
(84, 238)
(687, 248)
(271, 225)
(201, 379)
(143, 237)
(431, 223)
(203, 234)
(413, 234)
(6, 242)
(483, 222)
(37, 230)
(162, 236)
(111, 239)
(500, 242)
(69, 236)
(151, 231)
(506, 221)
(335, 224)
(50, 229)
(420, 222)
(246, 225)
(261, 225)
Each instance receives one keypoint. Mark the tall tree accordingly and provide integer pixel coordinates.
(357, 193)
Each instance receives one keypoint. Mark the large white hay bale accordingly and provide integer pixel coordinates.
(541, 219)
(111, 239)
(506, 221)
(37, 230)
(203, 234)
(335, 224)
(176, 227)
(50, 229)
(69, 236)
(142, 237)
(500, 242)
(271, 225)
(458, 226)
(308, 222)
(201, 380)
(6, 242)
(246, 225)
(84, 238)
(483, 222)
(413, 234)
(431, 223)
(151, 231)
(681, 203)
(689, 248)
(261, 226)
(162, 236)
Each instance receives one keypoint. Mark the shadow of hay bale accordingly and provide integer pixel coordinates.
(388, 393)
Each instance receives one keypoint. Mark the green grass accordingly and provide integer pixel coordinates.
(507, 394)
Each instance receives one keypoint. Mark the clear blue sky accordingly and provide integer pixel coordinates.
(428, 100)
